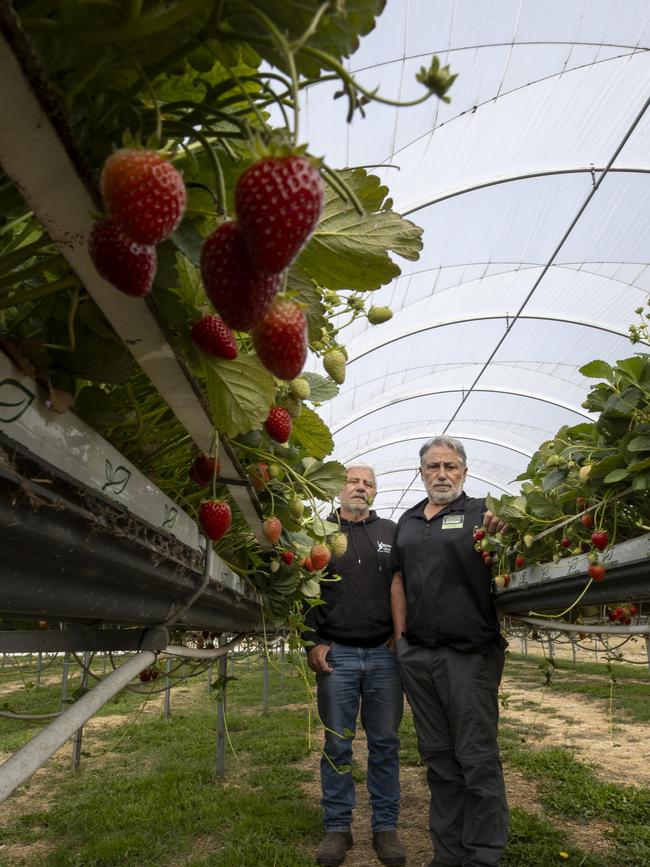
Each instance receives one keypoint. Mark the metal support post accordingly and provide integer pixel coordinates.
(168, 690)
(78, 735)
(64, 679)
(265, 685)
(221, 716)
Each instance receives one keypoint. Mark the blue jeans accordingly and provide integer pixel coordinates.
(366, 676)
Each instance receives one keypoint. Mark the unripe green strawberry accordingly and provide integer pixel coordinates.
(377, 315)
(296, 508)
(334, 364)
(338, 544)
(355, 302)
(300, 388)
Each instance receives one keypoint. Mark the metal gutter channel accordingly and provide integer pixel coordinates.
(35, 156)
(55, 565)
(630, 582)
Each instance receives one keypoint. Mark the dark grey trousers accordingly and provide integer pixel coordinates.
(454, 698)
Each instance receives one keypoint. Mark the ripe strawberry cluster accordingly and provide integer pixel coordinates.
(278, 201)
(623, 614)
(144, 197)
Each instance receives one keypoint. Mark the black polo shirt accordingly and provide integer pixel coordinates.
(447, 585)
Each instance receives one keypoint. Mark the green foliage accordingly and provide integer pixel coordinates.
(348, 251)
(197, 80)
(313, 434)
(602, 466)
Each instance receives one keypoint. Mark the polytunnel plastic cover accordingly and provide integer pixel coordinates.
(531, 187)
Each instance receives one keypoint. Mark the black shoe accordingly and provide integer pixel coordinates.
(333, 848)
(388, 848)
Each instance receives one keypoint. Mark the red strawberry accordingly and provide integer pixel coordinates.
(596, 571)
(215, 517)
(145, 675)
(145, 193)
(280, 339)
(213, 337)
(587, 520)
(272, 529)
(129, 266)
(479, 533)
(487, 557)
(520, 561)
(320, 556)
(203, 469)
(278, 202)
(565, 542)
(278, 424)
(287, 556)
(307, 565)
(600, 539)
(241, 295)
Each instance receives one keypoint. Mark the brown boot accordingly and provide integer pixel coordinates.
(388, 848)
(333, 848)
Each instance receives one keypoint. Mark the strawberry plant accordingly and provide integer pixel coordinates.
(587, 488)
(165, 109)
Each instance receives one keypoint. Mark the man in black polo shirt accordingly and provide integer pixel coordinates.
(450, 652)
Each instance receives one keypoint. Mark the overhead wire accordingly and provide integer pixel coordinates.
(595, 187)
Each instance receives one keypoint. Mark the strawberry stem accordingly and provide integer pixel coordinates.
(220, 195)
(288, 53)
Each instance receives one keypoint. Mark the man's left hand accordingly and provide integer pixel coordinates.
(492, 524)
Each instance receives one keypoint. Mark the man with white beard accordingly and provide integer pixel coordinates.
(451, 655)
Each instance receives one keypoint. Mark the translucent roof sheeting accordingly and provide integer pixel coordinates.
(532, 187)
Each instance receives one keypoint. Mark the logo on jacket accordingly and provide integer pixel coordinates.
(383, 548)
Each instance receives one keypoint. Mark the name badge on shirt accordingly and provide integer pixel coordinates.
(452, 522)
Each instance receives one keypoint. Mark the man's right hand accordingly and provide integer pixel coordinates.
(317, 659)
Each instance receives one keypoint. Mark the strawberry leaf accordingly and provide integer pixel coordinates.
(322, 388)
(325, 480)
(598, 370)
(312, 433)
(638, 444)
(337, 33)
(100, 360)
(352, 252)
(240, 392)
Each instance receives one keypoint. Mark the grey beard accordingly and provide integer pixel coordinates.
(356, 507)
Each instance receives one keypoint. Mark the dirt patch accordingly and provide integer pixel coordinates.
(592, 729)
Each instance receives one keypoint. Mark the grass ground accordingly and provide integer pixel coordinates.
(146, 793)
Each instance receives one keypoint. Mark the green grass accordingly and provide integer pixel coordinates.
(146, 793)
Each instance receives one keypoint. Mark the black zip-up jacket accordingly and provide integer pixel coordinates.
(447, 585)
(357, 608)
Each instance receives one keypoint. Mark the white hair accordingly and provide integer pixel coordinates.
(360, 465)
